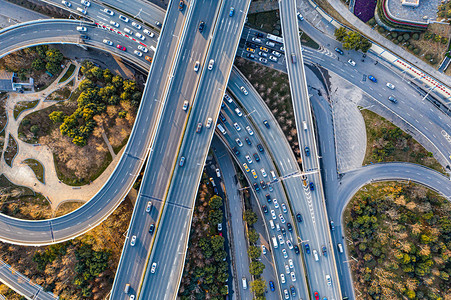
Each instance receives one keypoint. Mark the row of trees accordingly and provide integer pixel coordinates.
(98, 90)
(48, 59)
(402, 243)
(256, 267)
(352, 40)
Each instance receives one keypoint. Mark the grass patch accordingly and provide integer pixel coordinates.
(60, 94)
(273, 87)
(268, 21)
(400, 235)
(11, 151)
(67, 207)
(68, 73)
(21, 202)
(3, 115)
(37, 168)
(24, 105)
(387, 142)
(307, 41)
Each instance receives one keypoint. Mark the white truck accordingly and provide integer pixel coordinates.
(274, 242)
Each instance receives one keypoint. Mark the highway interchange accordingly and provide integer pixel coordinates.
(193, 125)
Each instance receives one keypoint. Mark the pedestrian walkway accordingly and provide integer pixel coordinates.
(20, 174)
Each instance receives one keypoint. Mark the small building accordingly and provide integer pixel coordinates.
(411, 3)
(7, 81)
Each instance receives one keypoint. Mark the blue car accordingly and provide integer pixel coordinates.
(370, 77)
(256, 187)
(307, 248)
(312, 186)
(232, 10)
(339, 51)
(307, 151)
(271, 286)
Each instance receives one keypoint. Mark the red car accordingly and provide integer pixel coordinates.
(121, 48)
(316, 295)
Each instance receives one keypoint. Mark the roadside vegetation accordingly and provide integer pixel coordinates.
(68, 73)
(10, 151)
(21, 202)
(24, 105)
(387, 143)
(268, 21)
(401, 239)
(273, 87)
(102, 109)
(37, 168)
(9, 293)
(352, 40)
(60, 94)
(67, 207)
(3, 115)
(206, 269)
(82, 268)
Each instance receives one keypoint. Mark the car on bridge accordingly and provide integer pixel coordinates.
(372, 78)
(307, 248)
(181, 5)
(211, 64)
(201, 26)
(121, 48)
(232, 11)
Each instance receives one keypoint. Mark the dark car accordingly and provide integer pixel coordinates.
(235, 150)
(307, 248)
(199, 127)
(339, 51)
(152, 228)
(259, 35)
(181, 5)
(266, 123)
(268, 197)
(290, 227)
(265, 209)
(372, 78)
(250, 55)
(257, 158)
(307, 151)
(293, 291)
(263, 184)
(392, 99)
(222, 105)
(248, 141)
(221, 116)
(271, 286)
(85, 37)
(324, 250)
(256, 187)
(282, 229)
(312, 186)
(260, 148)
(201, 26)
(215, 190)
(296, 249)
(299, 218)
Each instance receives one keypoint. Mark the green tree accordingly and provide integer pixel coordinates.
(254, 252)
(57, 116)
(107, 75)
(340, 33)
(54, 56)
(53, 68)
(256, 268)
(252, 236)
(96, 72)
(34, 129)
(85, 84)
(250, 217)
(258, 286)
(217, 243)
(215, 216)
(117, 81)
(38, 64)
(215, 202)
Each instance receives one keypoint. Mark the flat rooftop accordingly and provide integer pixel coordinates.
(426, 10)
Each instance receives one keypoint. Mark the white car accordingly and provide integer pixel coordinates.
(287, 269)
(125, 19)
(282, 278)
(133, 241)
(209, 121)
(185, 105)
(138, 53)
(351, 62)
(243, 89)
(211, 64)
(329, 281)
(154, 267)
(108, 42)
(107, 11)
(68, 4)
(85, 3)
(263, 249)
(263, 60)
(287, 295)
(149, 206)
(276, 204)
(249, 159)
(289, 244)
(293, 277)
(281, 241)
(81, 28)
(239, 143)
(290, 263)
(227, 97)
(390, 86)
(140, 36)
(136, 25)
(285, 254)
(238, 112)
(277, 54)
(143, 49)
(148, 32)
(273, 58)
(114, 24)
(196, 66)
(284, 207)
(263, 172)
(282, 219)
(273, 214)
(249, 130)
(237, 127)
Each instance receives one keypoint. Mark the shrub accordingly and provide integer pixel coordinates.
(416, 51)
(410, 47)
(416, 36)
(372, 22)
(406, 36)
(381, 29)
(400, 38)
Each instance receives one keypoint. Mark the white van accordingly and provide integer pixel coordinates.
(274, 242)
(270, 44)
(273, 174)
(340, 248)
(81, 28)
(221, 129)
(271, 223)
(315, 255)
(304, 123)
(82, 10)
(243, 280)
(127, 288)
(277, 227)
